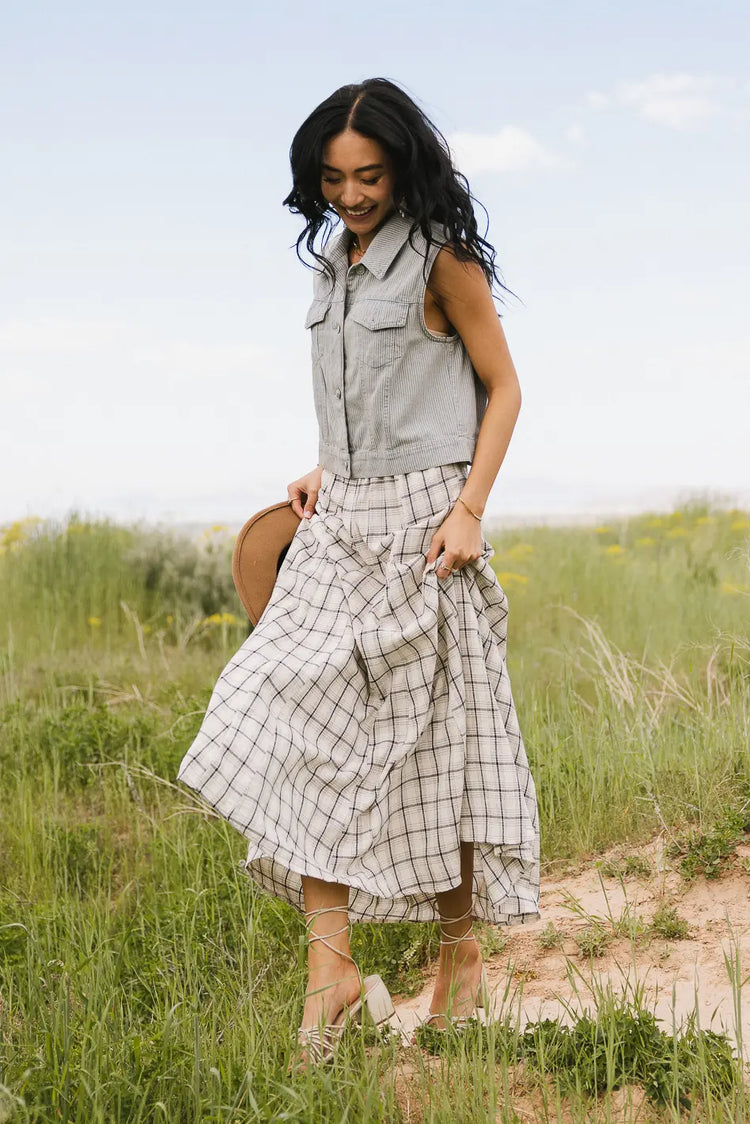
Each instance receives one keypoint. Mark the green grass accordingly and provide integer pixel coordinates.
(630, 866)
(710, 851)
(619, 1044)
(668, 924)
(143, 977)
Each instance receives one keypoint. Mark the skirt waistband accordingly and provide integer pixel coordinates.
(384, 504)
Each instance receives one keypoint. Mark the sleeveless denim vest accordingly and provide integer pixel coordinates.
(390, 395)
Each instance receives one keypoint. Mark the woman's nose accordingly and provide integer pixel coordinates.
(351, 199)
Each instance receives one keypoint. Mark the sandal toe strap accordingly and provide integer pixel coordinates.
(310, 1037)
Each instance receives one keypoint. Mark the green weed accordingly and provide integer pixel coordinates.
(550, 937)
(620, 1043)
(667, 923)
(710, 852)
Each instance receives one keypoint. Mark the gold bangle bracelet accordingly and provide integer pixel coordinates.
(463, 501)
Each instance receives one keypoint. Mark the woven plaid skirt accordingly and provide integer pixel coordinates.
(367, 726)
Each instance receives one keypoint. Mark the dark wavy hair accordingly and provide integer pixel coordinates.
(427, 185)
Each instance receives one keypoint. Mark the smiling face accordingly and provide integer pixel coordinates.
(357, 175)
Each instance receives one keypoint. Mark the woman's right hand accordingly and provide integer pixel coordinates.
(303, 493)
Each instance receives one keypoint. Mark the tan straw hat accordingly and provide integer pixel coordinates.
(260, 549)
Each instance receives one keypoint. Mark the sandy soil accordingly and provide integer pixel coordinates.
(677, 976)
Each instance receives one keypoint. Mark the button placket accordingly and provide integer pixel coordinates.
(353, 278)
(338, 402)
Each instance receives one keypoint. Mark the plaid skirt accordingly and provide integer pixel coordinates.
(367, 726)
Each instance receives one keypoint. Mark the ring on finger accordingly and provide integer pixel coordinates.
(448, 569)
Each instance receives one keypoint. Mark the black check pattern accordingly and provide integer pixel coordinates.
(367, 725)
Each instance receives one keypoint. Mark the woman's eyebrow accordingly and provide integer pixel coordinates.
(364, 168)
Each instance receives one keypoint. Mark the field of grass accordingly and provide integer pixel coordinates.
(143, 977)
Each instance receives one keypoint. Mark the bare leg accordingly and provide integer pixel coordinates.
(333, 981)
(460, 965)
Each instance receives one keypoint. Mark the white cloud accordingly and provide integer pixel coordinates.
(597, 100)
(510, 150)
(679, 101)
(576, 133)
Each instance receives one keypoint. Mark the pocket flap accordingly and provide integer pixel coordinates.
(316, 312)
(380, 313)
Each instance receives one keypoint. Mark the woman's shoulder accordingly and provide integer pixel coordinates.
(438, 233)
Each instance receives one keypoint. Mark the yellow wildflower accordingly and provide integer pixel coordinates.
(170, 618)
(655, 522)
(702, 519)
(507, 577)
(646, 541)
(676, 532)
(18, 530)
(13, 533)
(740, 525)
(220, 618)
(95, 622)
(727, 587)
(518, 550)
(602, 530)
(614, 548)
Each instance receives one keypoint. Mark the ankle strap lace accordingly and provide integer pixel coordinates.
(448, 938)
(319, 937)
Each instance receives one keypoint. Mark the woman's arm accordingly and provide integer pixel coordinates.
(462, 292)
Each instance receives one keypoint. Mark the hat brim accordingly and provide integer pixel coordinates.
(259, 550)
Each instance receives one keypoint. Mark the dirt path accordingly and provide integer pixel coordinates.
(677, 976)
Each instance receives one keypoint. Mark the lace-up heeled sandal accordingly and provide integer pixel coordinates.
(483, 998)
(321, 1042)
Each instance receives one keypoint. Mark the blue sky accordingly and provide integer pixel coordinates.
(153, 359)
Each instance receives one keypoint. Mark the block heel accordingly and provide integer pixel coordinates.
(378, 1000)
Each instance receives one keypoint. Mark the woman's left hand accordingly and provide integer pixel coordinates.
(460, 539)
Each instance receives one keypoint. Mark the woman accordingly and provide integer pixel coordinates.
(364, 737)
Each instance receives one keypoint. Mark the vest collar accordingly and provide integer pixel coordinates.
(388, 240)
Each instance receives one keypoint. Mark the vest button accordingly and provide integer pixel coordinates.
(338, 392)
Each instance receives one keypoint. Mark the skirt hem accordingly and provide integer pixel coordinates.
(370, 904)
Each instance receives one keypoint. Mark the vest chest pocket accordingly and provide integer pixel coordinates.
(379, 330)
(318, 321)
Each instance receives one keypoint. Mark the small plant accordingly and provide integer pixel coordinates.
(492, 940)
(593, 940)
(668, 924)
(550, 937)
(628, 924)
(631, 866)
(600, 929)
(638, 866)
(710, 852)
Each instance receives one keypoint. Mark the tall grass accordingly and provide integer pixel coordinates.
(143, 977)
